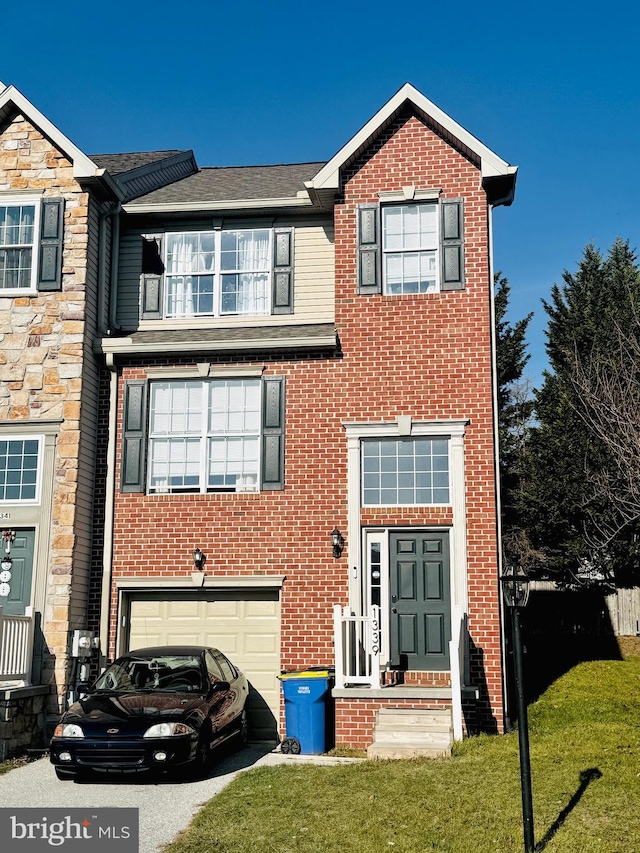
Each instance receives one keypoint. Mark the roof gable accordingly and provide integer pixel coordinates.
(12, 100)
(491, 166)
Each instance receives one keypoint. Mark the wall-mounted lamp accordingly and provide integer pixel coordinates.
(198, 559)
(337, 541)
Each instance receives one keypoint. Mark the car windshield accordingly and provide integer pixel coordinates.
(172, 673)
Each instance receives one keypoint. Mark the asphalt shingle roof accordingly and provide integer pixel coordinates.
(118, 164)
(226, 183)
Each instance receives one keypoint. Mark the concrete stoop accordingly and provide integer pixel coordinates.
(412, 734)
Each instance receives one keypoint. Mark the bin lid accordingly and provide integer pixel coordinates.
(306, 673)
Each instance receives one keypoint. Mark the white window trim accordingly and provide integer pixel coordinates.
(405, 201)
(443, 437)
(216, 274)
(405, 426)
(35, 501)
(204, 439)
(36, 200)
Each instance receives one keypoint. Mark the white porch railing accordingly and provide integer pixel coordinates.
(357, 646)
(457, 647)
(16, 647)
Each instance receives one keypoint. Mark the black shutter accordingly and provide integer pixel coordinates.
(50, 248)
(282, 298)
(272, 475)
(151, 279)
(369, 262)
(134, 436)
(452, 244)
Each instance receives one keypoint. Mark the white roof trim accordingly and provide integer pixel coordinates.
(229, 204)
(491, 165)
(83, 167)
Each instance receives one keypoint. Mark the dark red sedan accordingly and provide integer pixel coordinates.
(153, 709)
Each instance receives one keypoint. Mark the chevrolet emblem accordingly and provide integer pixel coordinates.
(112, 731)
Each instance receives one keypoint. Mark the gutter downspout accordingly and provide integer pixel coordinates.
(110, 480)
(107, 553)
(113, 283)
(112, 211)
(496, 446)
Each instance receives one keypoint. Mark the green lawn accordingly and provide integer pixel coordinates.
(585, 746)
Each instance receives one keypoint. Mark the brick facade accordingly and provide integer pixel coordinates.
(426, 356)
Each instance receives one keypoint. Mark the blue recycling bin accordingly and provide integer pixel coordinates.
(306, 696)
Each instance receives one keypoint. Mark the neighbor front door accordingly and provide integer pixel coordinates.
(419, 600)
(17, 586)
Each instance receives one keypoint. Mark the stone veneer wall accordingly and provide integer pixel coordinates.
(22, 720)
(41, 362)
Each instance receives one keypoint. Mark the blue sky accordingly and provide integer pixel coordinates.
(551, 87)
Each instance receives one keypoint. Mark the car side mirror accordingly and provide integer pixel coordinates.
(218, 687)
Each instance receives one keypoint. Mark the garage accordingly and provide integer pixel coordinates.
(244, 624)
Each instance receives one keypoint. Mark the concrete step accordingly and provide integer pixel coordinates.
(394, 717)
(412, 733)
(412, 736)
(382, 751)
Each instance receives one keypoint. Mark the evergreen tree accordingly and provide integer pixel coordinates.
(577, 508)
(514, 413)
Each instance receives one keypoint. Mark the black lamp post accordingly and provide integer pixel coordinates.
(515, 587)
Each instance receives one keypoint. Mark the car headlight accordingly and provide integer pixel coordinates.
(169, 730)
(68, 730)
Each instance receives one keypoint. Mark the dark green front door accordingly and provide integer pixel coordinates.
(419, 593)
(19, 584)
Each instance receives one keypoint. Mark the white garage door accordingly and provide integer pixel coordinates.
(245, 625)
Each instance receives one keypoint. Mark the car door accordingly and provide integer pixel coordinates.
(221, 702)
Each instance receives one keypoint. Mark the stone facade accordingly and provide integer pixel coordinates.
(41, 368)
(22, 720)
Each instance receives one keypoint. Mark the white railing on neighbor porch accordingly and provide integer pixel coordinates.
(457, 647)
(16, 647)
(357, 646)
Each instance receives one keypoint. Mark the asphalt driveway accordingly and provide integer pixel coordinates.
(165, 807)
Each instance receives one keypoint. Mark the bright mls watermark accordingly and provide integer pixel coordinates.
(69, 830)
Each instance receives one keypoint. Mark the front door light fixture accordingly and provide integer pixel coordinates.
(337, 541)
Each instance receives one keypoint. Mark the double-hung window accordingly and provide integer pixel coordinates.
(410, 248)
(405, 472)
(204, 435)
(18, 234)
(20, 469)
(218, 273)
(213, 273)
(31, 243)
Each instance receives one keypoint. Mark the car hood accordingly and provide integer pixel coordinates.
(127, 714)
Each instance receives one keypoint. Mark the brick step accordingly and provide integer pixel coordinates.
(400, 750)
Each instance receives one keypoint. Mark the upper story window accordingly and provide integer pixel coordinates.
(410, 248)
(17, 244)
(203, 435)
(20, 469)
(31, 236)
(218, 273)
(405, 472)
